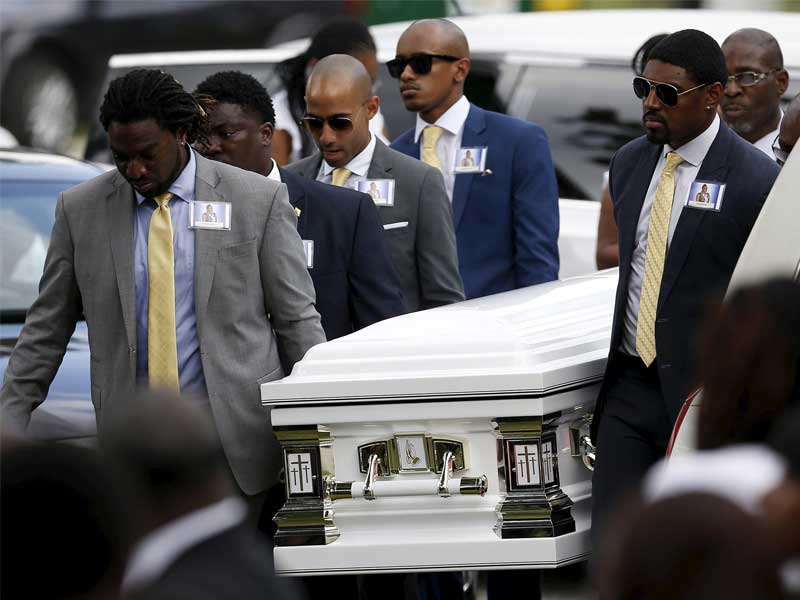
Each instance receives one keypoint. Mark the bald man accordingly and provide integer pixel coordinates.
(505, 210)
(416, 215)
(756, 82)
(789, 132)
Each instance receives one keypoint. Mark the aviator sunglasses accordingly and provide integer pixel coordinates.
(338, 123)
(421, 63)
(666, 92)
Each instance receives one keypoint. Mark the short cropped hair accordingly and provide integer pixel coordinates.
(696, 52)
(145, 94)
(235, 87)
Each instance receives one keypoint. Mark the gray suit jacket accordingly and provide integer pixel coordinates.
(424, 251)
(241, 276)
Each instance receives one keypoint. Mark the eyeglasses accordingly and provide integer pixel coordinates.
(339, 124)
(421, 63)
(781, 155)
(748, 78)
(666, 92)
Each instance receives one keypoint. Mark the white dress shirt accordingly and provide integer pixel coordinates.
(447, 146)
(274, 174)
(358, 166)
(693, 154)
(154, 554)
(765, 143)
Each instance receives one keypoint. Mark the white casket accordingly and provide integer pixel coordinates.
(448, 439)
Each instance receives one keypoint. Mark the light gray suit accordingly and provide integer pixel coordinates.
(241, 276)
(424, 252)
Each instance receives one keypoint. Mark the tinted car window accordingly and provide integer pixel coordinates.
(27, 212)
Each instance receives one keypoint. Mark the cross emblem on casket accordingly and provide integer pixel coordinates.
(526, 458)
(300, 473)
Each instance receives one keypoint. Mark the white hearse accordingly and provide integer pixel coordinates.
(455, 438)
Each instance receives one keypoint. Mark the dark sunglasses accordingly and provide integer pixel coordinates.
(421, 63)
(315, 124)
(665, 92)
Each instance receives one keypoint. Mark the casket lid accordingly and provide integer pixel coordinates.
(532, 341)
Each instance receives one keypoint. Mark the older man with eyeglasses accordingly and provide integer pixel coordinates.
(756, 81)
(416, 215)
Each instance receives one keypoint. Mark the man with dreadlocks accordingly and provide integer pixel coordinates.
(199, 310)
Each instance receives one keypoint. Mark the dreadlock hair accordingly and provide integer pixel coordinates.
(643, 53)
(235, 87)
(145, 94)
(340, 36)
(696, 52)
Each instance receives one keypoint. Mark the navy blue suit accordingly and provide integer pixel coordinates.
(506, 221)
(354, 279)
(637, 406)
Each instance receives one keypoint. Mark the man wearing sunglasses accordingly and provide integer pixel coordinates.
(675, 258)
(506, 218)
(417, 220)
(756, 82)
(346, 255)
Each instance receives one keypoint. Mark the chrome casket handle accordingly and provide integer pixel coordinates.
(372, 487)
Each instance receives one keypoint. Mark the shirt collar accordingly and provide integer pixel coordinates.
(359, 164)
(183, 186)
(153, 555)
(275, 174)
(694, 151)
(452, 120)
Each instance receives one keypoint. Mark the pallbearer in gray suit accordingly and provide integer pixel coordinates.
(170, 300)
(414, 208)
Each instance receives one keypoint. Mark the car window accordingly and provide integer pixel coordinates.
(27, 212)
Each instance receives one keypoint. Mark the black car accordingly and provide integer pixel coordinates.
(30, 182)
(53, 54)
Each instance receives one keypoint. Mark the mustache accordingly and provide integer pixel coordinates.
(652, 115)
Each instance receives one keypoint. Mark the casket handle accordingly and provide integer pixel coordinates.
(448, 464)
(372, 475)
(588, 452)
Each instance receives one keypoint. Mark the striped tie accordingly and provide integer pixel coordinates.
(340, 176)
(431, 135)
(162, 345)
(657, 232)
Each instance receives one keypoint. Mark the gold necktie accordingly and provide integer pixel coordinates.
(431, 135)
(162, 345)
(340, 176)
(657, 232)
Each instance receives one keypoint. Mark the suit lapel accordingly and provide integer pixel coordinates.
(206, 242)
(381, 165)
(474, 135)
(714, 168)
(121, 208)
(632, 208)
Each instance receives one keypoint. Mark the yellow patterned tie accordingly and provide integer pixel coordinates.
(340, 176)
(162, 345)
(657, 232)
(431, 135)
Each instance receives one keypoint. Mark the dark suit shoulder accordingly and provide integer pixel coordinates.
(744, 155)
(330, 199)
(302, 166)
(500, 123)
(407, 137)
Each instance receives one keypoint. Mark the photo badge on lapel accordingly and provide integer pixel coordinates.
(705, 195)
(210, 215)
(380, 190)
(471, 160)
